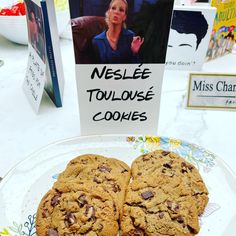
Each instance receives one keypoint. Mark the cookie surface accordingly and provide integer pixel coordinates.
(160, 209)
(64, 211)
(90, 166)
(111, 174)
(168, 165)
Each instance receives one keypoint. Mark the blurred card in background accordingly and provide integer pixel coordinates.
(189, 37)
(44, 69)
(223, 36)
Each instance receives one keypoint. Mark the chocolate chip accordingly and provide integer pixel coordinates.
(167, 165)
(70, 219)
(45, 213)
(55, 200)
(176, 207)
(184, 167)
(52, 232)
(139, 173)
(190, 168)
(90, 212)
(123, 171)
(165, 153)
(169, 204)
(116, 188)
(161, 215)
(104, 169)
(147, 195)
(168, 172)
(145, 157)
(183, 164)
(97, 180)
(84, 161)
(82, 200)
(114, 207)
(163, 171)
(191, 229)
(172, 206)
(180, 219)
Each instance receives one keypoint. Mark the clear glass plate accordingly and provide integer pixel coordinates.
(23, 187)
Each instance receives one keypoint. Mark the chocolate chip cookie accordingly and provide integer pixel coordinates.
(111, 174)
(168, 165)
(75, 209)
(158, 207)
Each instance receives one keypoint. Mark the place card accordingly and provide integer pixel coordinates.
(119, 81)
(34, 82)
(212, 91)
(44, 70)
(189, 37)
(120, 99)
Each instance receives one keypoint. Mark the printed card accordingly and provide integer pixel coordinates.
(212, 91)
(35, 75)
(189, 37)
(120, 49)
(44, 52)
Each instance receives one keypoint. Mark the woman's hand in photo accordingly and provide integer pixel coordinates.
(136, 44)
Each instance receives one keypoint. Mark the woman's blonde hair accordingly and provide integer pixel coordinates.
(107, 16)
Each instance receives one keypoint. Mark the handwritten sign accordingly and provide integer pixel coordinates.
(212, 91)
(34, 82)
(119, 98)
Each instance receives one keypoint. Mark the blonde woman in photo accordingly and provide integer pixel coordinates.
(117, 44)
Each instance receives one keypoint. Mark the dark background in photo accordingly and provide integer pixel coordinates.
(146, 18)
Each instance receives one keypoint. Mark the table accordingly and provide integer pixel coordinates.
(23, 132)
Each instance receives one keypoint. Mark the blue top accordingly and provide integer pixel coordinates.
(107, 55)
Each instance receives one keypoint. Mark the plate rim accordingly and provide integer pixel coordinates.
(29, 156)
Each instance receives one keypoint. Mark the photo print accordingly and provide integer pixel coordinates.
(36, 28)
(120, 31)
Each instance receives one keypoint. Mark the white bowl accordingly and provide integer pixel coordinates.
(14, 28)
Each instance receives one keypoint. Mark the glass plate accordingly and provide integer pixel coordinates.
(23, 187)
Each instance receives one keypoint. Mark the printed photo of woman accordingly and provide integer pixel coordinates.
(35, 28)
(120, 31)
(117, 44)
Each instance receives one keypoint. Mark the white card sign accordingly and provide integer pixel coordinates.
(212, 91)
(34, 82)
(44, 70)
(120, 61)
(189, 37)
(119, 98)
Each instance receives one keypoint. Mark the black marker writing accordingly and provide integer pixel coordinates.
(125, 95)
(118, 74)
(120, 116)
